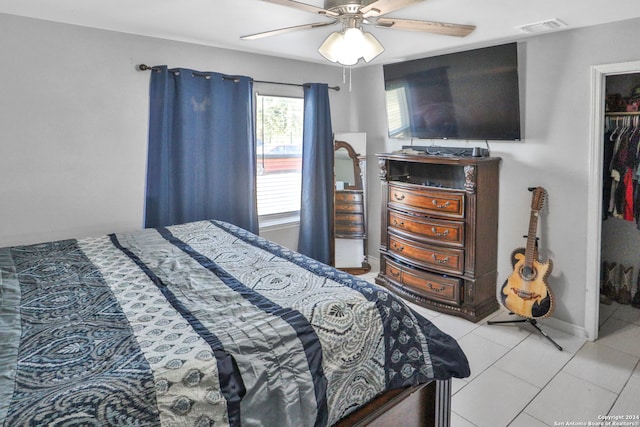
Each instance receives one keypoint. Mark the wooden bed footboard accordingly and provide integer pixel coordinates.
(425, 405)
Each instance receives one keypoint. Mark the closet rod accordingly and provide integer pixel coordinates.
(144, 67)
(623, 113)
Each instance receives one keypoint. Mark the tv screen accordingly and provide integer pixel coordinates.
(467, 95)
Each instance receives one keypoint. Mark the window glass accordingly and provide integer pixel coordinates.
(278, 154)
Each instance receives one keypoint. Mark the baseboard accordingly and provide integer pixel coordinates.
(566, 327)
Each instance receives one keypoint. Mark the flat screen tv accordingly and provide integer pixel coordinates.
(470, 95)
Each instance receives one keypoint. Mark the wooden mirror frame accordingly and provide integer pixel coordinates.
(357, 172)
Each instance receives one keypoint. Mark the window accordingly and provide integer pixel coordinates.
(397, 111)
(279, 155)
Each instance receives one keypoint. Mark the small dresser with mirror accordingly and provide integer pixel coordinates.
(350, 230)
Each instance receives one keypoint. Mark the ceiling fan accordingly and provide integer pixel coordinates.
(352, 14)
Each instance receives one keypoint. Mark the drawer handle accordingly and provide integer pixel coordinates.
(440, 260)
(439, 289)
(435, 203)
(394, 273)
(443, 234)
(398, 196)
(398, 223)
(398, 247)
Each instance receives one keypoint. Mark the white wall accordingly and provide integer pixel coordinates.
(555, 100)
(74, 117)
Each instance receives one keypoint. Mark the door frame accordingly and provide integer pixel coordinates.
(599, 74)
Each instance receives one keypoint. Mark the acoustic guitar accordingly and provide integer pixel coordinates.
(526, 292)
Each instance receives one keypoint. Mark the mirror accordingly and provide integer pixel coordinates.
(350, 231)
(345, 167)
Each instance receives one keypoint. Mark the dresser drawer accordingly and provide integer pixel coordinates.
(434, 202)
(447, 260)
(349, 231)
(428, 285)
(349, 218)
(349, 208)
(429, 229)
(348, 196)
(349, 224)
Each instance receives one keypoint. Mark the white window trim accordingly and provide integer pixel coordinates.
(279, 221)
(285, 219)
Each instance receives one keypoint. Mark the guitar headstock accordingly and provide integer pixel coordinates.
(537, 200)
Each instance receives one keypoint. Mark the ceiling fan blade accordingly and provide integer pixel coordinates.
(304, 6)
(286, 30)
(443, 28)
(382, 7)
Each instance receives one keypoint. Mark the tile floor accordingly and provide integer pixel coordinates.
(520, 379)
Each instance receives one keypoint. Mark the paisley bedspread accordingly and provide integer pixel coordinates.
(200, 324)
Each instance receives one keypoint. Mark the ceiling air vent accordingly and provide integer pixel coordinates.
(539, 27)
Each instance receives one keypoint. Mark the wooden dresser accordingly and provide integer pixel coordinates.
(438, 246)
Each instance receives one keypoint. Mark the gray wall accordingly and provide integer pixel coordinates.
(73, 126)
(555, 101)
(74, 118)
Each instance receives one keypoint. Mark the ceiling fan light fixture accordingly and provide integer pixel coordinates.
(336, 48)
(331, 46)
(348, 46)
(351, 44)
(372, 47)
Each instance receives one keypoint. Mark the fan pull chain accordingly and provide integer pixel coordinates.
(344, 76)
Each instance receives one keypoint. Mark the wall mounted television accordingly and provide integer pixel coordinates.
(470, 95)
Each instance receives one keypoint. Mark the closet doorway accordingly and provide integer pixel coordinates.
(596, 245)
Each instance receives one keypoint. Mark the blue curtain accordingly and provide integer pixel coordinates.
(316, 208)
(201, 157)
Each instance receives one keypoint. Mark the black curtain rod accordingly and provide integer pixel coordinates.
(144, 67)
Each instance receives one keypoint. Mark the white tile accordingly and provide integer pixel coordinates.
(458, 384)
(620, 335)
(521, 326)
(508, 335)
(480, 352)
(628, 402)
(606, 311)
(454, 326)
(569, 343)
(479, 400)
(534, 361)
(636, 372)
(526, 420)
(568, 398)
(502, 314)
(458, 421)
(628, 314)
(602, 365)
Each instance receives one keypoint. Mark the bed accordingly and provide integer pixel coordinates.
(204, 324)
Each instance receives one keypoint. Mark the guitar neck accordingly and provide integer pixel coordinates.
(530, 250)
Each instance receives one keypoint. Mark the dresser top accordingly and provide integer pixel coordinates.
(440, 159)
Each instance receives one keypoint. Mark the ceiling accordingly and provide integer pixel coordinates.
(221, 23)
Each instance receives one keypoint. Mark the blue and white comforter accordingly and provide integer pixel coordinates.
(199, 324)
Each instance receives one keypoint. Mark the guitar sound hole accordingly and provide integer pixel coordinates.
(528, 273)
